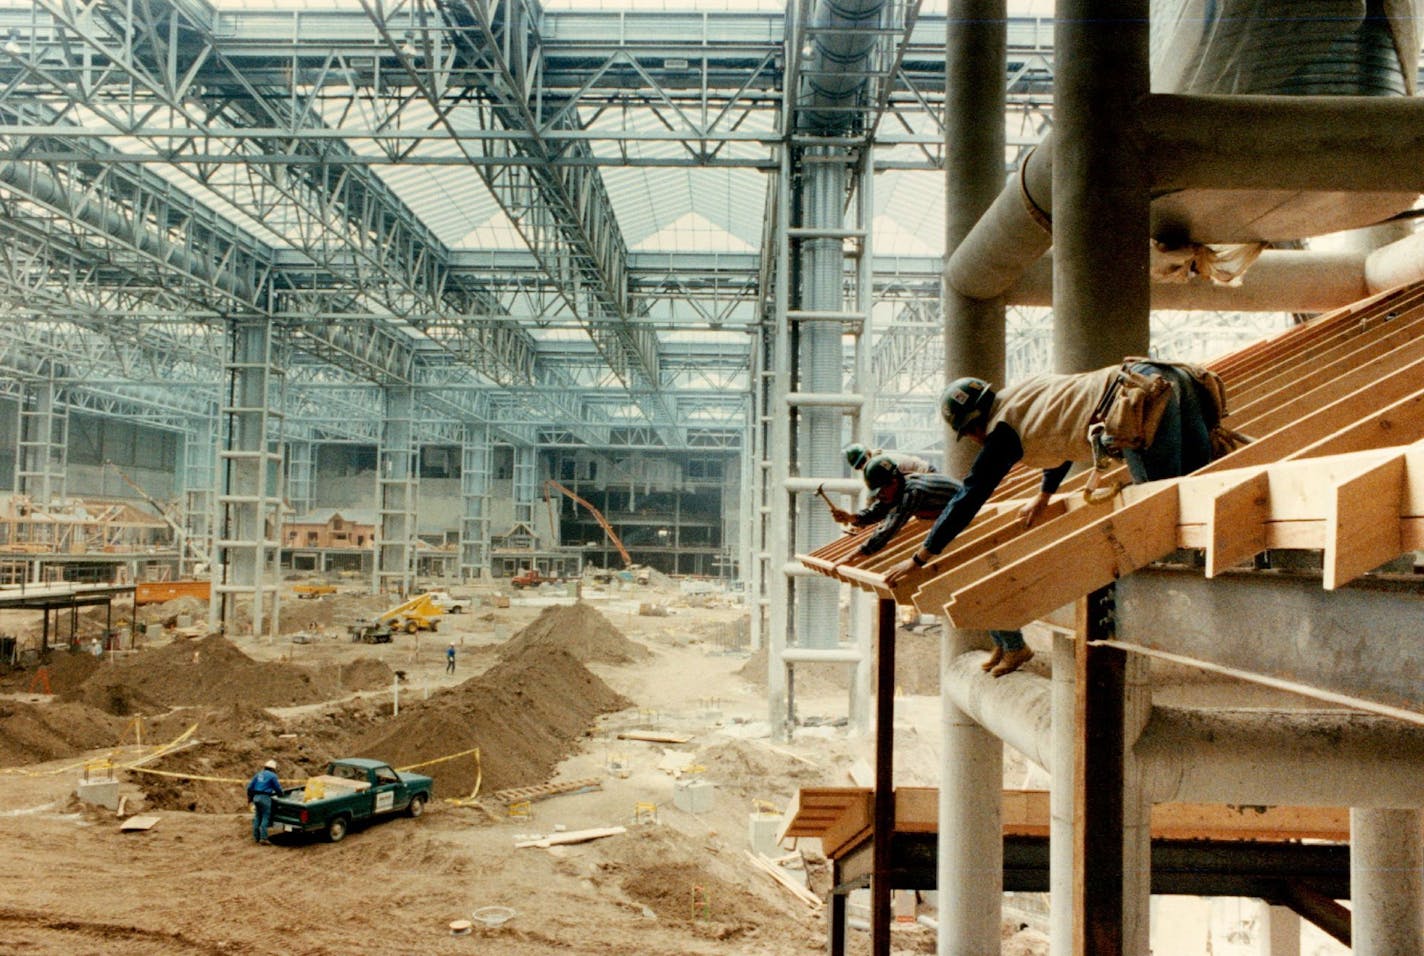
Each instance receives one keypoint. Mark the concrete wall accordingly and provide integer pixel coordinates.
(149, 456)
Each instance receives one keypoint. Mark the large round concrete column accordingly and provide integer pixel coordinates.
(970, 844)
(970, 873)
(1386, 881)
(1101, 293)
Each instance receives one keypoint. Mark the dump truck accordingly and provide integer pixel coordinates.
(313, 591)
(370, 632)
(352, 790)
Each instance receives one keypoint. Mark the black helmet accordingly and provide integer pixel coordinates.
(880, 471)
(963, 401)
(856, 455)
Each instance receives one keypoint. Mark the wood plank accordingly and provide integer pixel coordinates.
(1400, 423)
(572, 836)
(1071, 566)
(1237, 529)
(1362, 523)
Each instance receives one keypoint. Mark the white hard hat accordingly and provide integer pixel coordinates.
(270, 765)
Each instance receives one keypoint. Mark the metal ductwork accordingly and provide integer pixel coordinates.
(841, 37)
(1272, 47)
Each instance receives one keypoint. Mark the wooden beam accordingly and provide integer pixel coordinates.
(1362, 523)
(1236, 530)
(1071, 565)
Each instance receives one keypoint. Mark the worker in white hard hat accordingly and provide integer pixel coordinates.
(260, 790)
(450, 658)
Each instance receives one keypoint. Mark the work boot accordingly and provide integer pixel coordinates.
(994, 658)
(1012, 661)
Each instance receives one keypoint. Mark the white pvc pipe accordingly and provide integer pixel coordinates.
(821, 655)
(1386, 869)
(1016, 708)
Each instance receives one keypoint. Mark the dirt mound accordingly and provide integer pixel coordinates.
(752, 770)
(208, 672)
(580, 630)
(167, 612)
(67, 670)
(916, 668)
(524, 714)
(684, 884)
(366, 673)
(33, 733)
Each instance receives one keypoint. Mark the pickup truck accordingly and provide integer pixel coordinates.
(352, 790)
(531, 578)
(449, 603)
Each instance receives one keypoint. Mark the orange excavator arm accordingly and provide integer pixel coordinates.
(597, 516)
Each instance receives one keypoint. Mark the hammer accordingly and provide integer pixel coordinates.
(835, 512)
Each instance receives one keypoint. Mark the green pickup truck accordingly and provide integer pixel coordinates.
(352, 790)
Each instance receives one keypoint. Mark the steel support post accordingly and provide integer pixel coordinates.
(526, 487)
(1101, 294)
(884, 839)
(1112, 825)
(474, 494)
(197, 483)
(251, 463)
(780, 499)
(42, 443)
(1386, 881)
(823, 175)
(301, 475)
(1061, 910)
(397, 475)
(863, 427)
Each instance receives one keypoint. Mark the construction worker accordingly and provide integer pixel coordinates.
(1043, 421)
(897, 497)
(260, 790)
(450, 658)
(857, 456)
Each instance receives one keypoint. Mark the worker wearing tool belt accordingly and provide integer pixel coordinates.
(1045, 421)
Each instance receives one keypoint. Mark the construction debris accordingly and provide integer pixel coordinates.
(573, 836)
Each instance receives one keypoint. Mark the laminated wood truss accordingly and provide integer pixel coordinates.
(1336, 410)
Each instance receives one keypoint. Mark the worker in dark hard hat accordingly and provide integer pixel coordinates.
(857, 456)
(260, 790)
(897, 497)
(1044, 422)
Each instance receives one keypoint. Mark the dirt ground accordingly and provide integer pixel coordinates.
(543, 688)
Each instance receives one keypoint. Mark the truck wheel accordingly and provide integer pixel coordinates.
(411, 627)
(336, 829)
(456, 609)
(417, 805)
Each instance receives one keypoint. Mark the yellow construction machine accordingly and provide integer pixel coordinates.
(420, 613)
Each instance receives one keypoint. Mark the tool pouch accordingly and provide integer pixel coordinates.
(1131, 409)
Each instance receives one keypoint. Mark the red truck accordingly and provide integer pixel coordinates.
(531, 578)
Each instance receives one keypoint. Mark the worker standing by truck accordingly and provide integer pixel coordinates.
(263, 786)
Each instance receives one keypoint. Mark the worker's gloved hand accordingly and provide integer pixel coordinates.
(897, 574)
(841, 516)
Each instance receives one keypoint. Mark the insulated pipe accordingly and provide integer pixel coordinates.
(1386, 866)
(1327, 759)
(842, 38)
(32, 181)
(1281, 280)
(1011, 236)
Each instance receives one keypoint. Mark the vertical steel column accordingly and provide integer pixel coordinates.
(1386, 881)
(1100, 201)
(198, 484)
(882, 845)
(301, 475)
(863, 427)
(1061, 910)
(757, 599)
(970, 844)
(474, 492)
(526, 486)
(779, 621)
(42, 443)
(397, 475)
(1098, 784)
(251, 463)
(820, 360)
